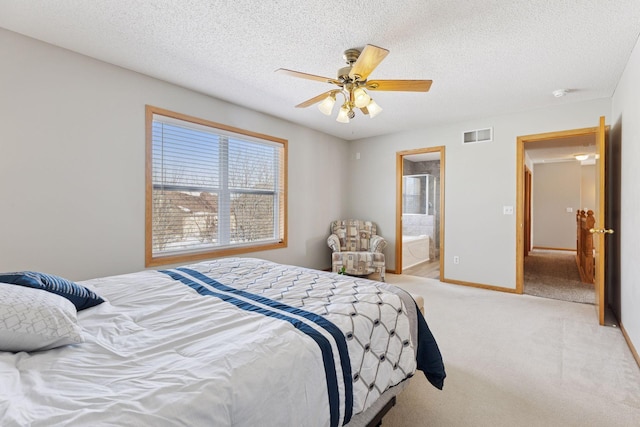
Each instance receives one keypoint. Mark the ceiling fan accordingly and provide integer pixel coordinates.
(352, 81)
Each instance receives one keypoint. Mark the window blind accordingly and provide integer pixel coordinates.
(213, 189)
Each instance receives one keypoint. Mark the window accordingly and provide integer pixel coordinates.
(212, 190)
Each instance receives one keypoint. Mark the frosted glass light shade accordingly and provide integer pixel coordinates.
(360, 98)
(343, 115)
(374, 109)
(326, 106)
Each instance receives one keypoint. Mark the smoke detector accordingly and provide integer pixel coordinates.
(560, 92)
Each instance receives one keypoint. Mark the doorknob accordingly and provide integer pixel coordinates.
(601, 230)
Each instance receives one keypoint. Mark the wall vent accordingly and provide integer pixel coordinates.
(478, 135)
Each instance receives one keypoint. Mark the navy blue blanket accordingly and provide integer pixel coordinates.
(429, 358)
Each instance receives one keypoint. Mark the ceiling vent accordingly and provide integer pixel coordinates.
(478, 135)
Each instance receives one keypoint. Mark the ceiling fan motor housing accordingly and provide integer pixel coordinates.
(343, 74)
(351, 55)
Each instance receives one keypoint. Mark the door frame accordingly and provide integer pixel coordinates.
(520, 199)
(527, 211)
(399, 174)
(600, 228)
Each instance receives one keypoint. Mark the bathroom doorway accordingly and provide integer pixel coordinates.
(420, 207)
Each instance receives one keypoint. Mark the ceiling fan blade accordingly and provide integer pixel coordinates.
(316, 99)
(400, 85)
(307, 76)
(368, 60)
(365, 111)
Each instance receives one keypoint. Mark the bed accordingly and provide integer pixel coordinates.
(232, 341)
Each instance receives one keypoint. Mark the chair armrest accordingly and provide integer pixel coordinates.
(377, 244)
(334, 243)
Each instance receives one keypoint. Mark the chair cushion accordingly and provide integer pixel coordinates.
(358, 263)
(354, 234)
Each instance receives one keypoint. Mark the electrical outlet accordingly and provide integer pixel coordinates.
(456, 259)
(507, 210)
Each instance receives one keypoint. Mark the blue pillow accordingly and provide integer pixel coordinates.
(80, 296)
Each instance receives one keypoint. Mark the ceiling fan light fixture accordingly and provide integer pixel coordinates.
(352, 81)
(559, 93)
(373, 108)
(326, 106)
(343, 114)
(361, 98)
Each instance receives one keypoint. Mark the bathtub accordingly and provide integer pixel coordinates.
(415, 249)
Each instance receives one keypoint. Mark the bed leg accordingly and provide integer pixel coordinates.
(377, 420)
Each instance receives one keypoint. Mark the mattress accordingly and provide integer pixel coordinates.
(228, 342)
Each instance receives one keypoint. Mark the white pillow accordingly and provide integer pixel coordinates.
(34, 319)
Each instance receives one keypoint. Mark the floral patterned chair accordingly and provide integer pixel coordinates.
(356, 248)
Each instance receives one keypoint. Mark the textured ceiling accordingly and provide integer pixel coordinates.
(484, 57)
(562, 149)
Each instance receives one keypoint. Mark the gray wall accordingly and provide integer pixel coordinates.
(479, 180)
(588, 187)
(72, 164)
(556, 187)
(430, 167)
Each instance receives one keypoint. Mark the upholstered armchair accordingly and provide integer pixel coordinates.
(356, 247)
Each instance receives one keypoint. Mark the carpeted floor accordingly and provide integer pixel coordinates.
(518, 360)
(554, 274)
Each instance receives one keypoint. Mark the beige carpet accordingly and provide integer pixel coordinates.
(554, 274)
(518, 360)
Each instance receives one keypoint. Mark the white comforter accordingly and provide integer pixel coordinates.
(159, 353)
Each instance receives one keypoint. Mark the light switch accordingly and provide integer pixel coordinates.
(569, 210)
(507, 210)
